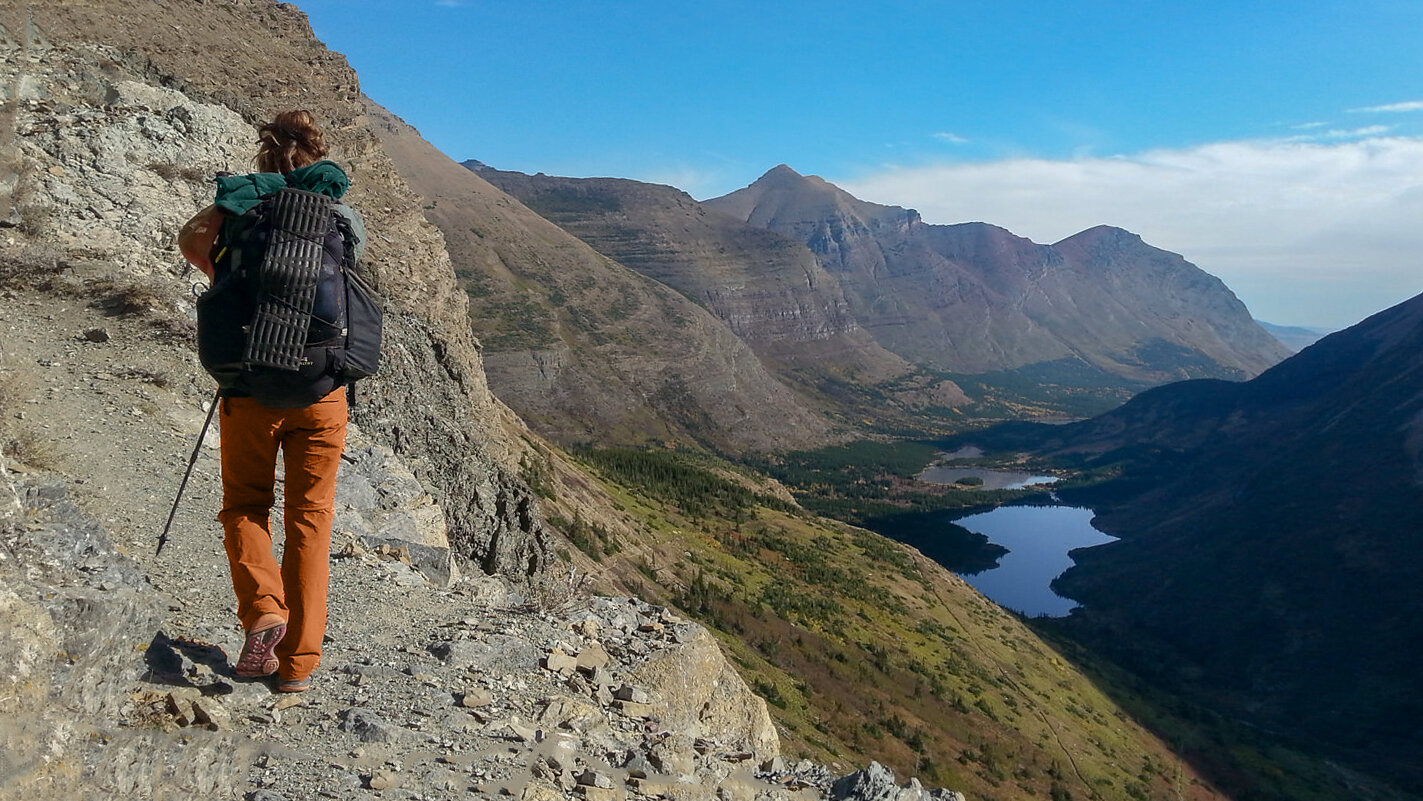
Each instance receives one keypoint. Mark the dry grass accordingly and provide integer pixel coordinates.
(174, 329)
(174, 172)
(147, 298)
(125, 296)
(31, 450)
(554, 593)
(17, 444)
(15, 390)
(157, 379)
(32, 266)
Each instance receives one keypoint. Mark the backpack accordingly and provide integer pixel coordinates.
(288, 318)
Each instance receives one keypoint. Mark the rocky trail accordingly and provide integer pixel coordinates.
(433, 684)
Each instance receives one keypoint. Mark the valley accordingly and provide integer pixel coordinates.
(730, 408)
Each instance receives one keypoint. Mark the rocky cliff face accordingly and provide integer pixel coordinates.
(583, 348)
(115, 129)
(974, 298)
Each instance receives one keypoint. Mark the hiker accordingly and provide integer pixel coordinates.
(282, 607)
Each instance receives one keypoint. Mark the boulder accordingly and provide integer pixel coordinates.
(695, 692)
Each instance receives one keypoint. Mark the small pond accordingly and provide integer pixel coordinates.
(992, 479)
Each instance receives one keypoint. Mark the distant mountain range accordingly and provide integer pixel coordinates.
(1294, 337)
(867, 313)
(1270, 559)
(974, 298)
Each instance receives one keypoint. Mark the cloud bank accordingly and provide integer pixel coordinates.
(1315, 232)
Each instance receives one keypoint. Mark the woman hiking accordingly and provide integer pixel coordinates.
(282, 607)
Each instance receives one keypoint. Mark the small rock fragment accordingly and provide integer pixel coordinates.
(476, 697)
(592, 658)
(633, 709)
(560, 662)
(369, 727)
(209, 712)
(628, 692)
(592, 778)
(289, 701)
(382, 780)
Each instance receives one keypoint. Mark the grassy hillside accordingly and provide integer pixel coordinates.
(864, 648)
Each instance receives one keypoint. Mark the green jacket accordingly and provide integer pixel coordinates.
(236, 194)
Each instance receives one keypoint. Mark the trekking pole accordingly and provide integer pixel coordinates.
(163, 538)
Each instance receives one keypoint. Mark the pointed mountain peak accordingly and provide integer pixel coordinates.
(783, 178)
(1100, 235)
(779, 172)
(782, 193)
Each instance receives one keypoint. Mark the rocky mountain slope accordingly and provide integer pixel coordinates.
(1269, 558)
(974, 298)
(459, 662)
(583, 348)
(768, 289)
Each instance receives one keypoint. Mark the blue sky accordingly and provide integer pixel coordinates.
(1278, 145)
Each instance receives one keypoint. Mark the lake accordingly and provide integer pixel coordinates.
(1038, 539)
(992, 479)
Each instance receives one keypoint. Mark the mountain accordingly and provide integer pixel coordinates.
(768, 289)
(973, 298)
(466, 656)
(584, 349)
(1294, 337)
(1269, 559)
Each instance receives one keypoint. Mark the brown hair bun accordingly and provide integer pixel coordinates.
(289, 142)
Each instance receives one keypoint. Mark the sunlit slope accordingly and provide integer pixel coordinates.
(584, 349)
(865, 648)
(975, 298)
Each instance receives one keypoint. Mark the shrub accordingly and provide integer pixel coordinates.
(29, 449)
(172, 172)
(126, 296)
(29, 266)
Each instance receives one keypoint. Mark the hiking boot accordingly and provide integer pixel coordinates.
(258, 658)
(294, 685)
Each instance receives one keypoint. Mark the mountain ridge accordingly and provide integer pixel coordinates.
(582, 348)
(923, 290)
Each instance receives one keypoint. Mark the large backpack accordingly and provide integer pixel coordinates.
(288, 318)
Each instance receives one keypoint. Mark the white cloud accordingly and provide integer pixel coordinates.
(1351, 133)
(951, 138)
(1410, 105)
(1306, 233)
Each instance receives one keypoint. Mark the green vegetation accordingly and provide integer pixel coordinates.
(673, 477)
(862, 649)
(592, 539)
(512, 324)
(873, 484)
(1066, 387)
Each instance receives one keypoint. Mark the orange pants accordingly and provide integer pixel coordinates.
(311, 440)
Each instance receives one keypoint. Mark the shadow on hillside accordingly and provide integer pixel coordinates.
(1241, 761)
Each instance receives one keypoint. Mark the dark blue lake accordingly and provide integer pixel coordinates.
(1038, 539)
